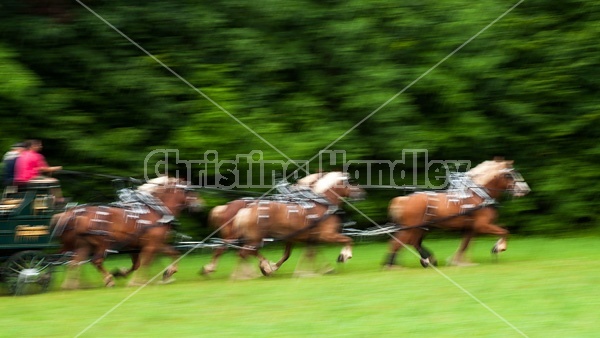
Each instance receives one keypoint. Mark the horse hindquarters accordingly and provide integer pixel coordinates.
(216, 220)
(221, 218)
(396, 209)
(76, 237)
(407, 211)
(247, 229)
(62, 229)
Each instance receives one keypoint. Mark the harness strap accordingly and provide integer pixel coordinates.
(464, 212)
(330, 212)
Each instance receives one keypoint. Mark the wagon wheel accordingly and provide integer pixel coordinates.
(27, 269)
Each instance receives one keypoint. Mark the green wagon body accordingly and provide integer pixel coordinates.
(26, 244)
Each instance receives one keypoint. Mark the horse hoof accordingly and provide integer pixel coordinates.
(168, 274)
(345, 255)
(265, 272)
(267, 268)
(496, 250)
(208, 269)
(122, 272)
(424, 262)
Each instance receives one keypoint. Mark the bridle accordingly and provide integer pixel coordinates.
(515, 177)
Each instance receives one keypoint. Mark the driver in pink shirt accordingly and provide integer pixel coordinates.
(31, 164)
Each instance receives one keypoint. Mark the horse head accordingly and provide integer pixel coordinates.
(336, 185)
(515, 183)
(177, 195)
(193, 201)
(499, 176)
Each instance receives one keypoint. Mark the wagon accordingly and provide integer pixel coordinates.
(26, 246)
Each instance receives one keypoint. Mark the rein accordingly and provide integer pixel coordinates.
(83, 173)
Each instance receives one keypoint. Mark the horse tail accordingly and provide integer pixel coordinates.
(396, 208)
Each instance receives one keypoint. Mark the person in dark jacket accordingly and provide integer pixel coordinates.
(8, 161)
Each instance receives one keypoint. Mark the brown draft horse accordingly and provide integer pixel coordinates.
(473, 213)
(295, 223)
(221, 218)
(91, 230)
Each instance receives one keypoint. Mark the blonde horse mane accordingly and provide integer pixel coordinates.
(310, 180)
(487, 170)
(152, 185)
(328, 181)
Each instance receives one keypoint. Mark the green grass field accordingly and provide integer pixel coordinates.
(541, 287)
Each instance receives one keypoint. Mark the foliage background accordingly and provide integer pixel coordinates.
(301, 73)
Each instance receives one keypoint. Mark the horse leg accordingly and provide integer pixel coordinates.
(501, 244)
(144, 259)
(345, 254)
(401, 239)
(98, 260)
(267, 267)
(248, 231)
(172, 268)
(427, 257)
(492, 229)
(307, 266)
(336, 237)
(122, 272)
(390, 260)
(458, 258)
(221, 217)
(286, 255)
(73, 272)
(212, 266)
(245, 270)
